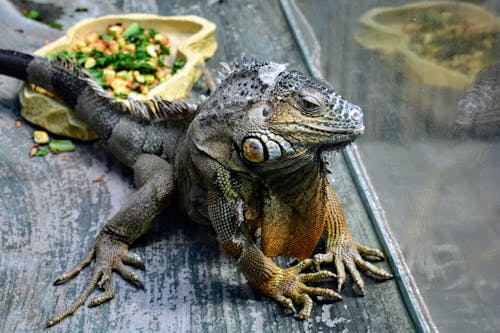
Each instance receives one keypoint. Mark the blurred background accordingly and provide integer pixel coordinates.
(431, 148)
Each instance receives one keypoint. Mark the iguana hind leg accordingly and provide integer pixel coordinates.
(154, 178)
(342, 249)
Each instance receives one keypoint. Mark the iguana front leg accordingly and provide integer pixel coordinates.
(341, 248)
(226, 205)
(154, 178)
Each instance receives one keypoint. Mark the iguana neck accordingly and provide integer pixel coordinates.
(299, 180)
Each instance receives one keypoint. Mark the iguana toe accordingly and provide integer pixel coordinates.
(110, 255)
(289, 288)
(346, 255)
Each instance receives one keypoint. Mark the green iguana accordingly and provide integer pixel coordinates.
(246, 160)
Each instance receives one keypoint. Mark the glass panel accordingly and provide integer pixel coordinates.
(431, 147)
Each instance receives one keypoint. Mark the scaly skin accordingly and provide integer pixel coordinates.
(248, 161)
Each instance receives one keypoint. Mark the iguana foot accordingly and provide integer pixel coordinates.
(347, 253)
(288, 287)
(110, 255)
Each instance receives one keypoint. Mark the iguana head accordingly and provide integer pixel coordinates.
(267, 117)
(297, 115)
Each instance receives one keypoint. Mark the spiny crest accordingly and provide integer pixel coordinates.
(156, 109)
(266, 71)
(64, 62)
(227, 71)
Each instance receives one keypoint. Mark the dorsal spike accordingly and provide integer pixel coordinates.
(226, 67)
(221, 75)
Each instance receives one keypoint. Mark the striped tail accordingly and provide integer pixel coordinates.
(99, 109)
(74, 86)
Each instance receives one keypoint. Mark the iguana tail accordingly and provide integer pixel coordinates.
(42, 72)
(99, 109)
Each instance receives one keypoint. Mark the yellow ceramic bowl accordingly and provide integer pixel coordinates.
(381, 29)
(193, 36)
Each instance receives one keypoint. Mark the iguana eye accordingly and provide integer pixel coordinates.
(256, 151)
(310, 103)
(253, 150)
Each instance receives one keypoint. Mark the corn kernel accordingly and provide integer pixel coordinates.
(89, 63)
(115, 30)
(108, 75)
(121, 41)
(130, 48)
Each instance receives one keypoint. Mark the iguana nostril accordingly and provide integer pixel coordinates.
(356, 116)
(355, 113)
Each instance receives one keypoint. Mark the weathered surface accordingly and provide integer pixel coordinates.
(51, 211)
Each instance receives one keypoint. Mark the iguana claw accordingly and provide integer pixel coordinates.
(110, 255)
(347, 253)
(288, 287)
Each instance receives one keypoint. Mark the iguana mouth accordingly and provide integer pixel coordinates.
(332, 130)
(315, 127)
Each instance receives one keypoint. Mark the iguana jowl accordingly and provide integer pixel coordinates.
(247, 160)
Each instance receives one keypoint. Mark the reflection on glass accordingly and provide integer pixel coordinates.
(427, 75)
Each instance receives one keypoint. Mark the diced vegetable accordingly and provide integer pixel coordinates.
(108, 75)
(133, 30)
(126, 60)
(149, 78)
(61, 146)
(89, 63)
(115, 30)
(151, 50)
(39, 151)
(40, 137)
(139, 77)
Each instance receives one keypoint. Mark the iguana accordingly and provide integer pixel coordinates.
(246, 160)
